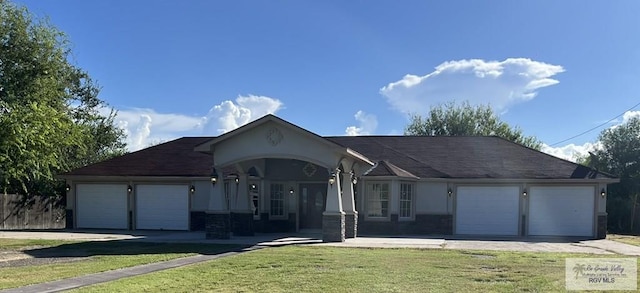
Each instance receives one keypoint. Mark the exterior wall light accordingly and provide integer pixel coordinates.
(332, 179)
(354, 179)
(449, 192)
(253, 187)
(129, 189)
(214, 177)
(524, 193)
(603, 193)
(237, 180)
(291, 191)
(67, 188)
(192, 189)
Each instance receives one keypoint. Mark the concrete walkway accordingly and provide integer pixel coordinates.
(86, 280)
(603, 246)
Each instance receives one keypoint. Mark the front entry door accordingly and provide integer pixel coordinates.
(312, 204)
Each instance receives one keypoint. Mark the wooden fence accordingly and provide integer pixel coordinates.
(20, 213)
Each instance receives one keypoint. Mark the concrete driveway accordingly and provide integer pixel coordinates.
(602, 246)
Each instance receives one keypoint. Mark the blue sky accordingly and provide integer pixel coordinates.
(192, 68)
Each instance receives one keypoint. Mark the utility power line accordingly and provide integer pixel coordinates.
(594, 128)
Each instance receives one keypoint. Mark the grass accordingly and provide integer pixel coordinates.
(330, 269)
(97, 257)
(628, 239)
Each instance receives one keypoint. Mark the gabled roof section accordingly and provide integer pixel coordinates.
(205, 147)
(173, 158)
(385, 168)
(466, 157)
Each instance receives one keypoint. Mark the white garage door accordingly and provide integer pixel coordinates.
(162, 207)
(487, 210)
(561, 211)
(101, 206)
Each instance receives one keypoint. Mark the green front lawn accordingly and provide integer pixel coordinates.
(95, 257)
(330, 269)
(628, 239)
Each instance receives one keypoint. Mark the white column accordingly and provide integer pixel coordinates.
(241, 199)
(348, 202)
(334, 198)
(217, 198)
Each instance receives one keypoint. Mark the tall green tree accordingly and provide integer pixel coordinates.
(50, 113)
(619, 155)
(451, 119)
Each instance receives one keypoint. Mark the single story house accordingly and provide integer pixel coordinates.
(273, 176)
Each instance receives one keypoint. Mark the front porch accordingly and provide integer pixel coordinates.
(282, 196)
(273, 176)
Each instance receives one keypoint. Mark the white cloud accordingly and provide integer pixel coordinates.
(144, 127)
(228, 115)
(571, 151)
(499, 83)
(367, 124)
(630, 114)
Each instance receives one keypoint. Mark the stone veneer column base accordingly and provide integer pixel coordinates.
(351, 224)
(333, 227)
(68, 219)
(602, 227)
(218, 225)
(242, 224)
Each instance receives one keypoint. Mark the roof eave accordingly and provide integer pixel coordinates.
(359, 156)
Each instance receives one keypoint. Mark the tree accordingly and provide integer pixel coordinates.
(619, 155)
(451, 119)
(50, 113)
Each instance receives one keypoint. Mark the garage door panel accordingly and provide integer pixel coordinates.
(561, 210)
(162, 207)
(102, 206)
(487, 210)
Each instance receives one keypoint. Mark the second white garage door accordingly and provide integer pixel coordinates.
(162, 207)
(487, 210)
(561, 210)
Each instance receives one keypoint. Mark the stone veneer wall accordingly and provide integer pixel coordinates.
(242, 224)
(350, 225)
(333, 228)
(68, 219)
(197, 221)
(602, 227)
(422, 225)
(266, 225)
(218, 225)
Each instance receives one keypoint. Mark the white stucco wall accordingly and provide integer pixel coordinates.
(432, 198)
(71, 196)
(273, 140)
(601, 203)
(200, 198)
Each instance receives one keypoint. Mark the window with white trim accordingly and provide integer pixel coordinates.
(277, 200)
(406, 200)
(377, 200)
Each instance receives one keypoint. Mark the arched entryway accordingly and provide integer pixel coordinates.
(272, 176)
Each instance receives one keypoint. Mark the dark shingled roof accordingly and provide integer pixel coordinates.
(465, 157)
(384, 168)
(173, 158)
(404, 156)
